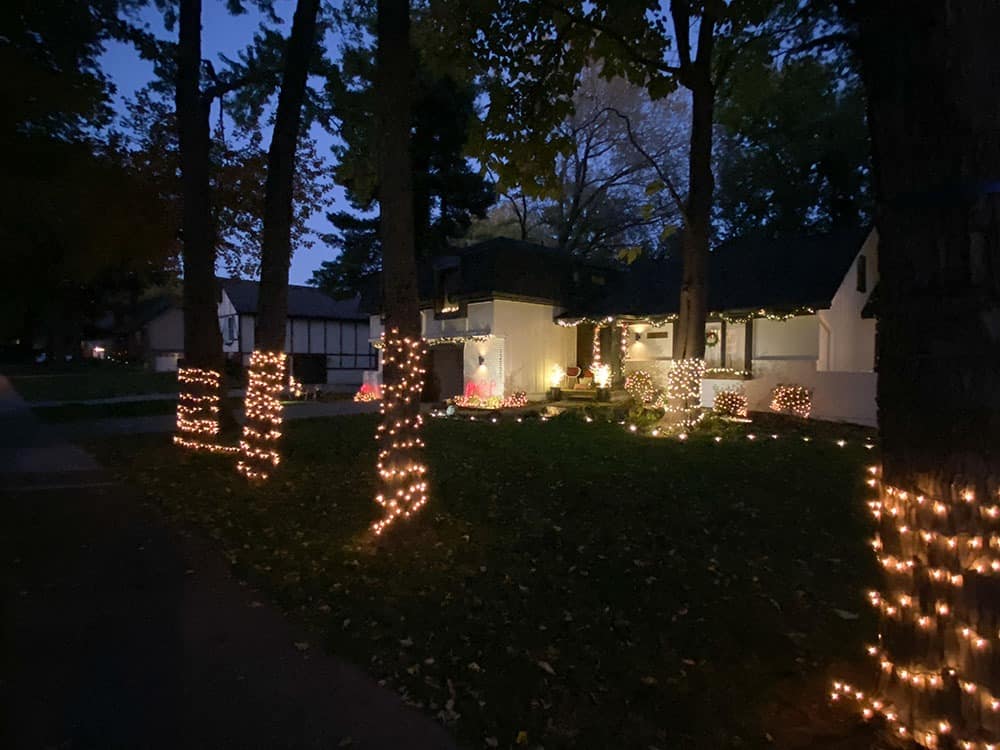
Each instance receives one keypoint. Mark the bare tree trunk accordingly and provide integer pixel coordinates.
(931, 74)
(267, 367)
(199, 394)
(402, 485)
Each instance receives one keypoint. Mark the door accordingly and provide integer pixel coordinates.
(445, 377)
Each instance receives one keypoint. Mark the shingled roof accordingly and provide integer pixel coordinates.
(303, 301)
(743, 275)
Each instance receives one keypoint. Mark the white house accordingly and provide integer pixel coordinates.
(499, 316)
(327, 339)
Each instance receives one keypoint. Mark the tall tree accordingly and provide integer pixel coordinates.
(402, 481)
(793, 151)
(267, 367)
(931, 75)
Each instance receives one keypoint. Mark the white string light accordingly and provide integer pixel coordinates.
(792, 399)
(198, 411)
(262, 405)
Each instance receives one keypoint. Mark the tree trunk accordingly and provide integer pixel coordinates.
(202, 337)
(931, 75)
(689, 343)
(267, 366)
(402, 478)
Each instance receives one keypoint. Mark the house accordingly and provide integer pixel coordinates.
(328, 340)
(152, 332)
(500, 316)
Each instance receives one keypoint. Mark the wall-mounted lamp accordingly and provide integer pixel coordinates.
(638, 336)
(482, 360)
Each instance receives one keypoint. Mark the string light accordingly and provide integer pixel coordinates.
(623, 345)
(683, 394)
(475, 401)
(639, 385)
(367, 393)
(557, 376)
(198, 411)
(602, 375)
(595, 350)
(402, 474)
(938, 561)
(792, 399)
(731, 402)
(262, 404)
(662, 320)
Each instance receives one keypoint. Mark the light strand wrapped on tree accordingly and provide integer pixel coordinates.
(731, 402)
(402, 474)
(198, 410)
(938, 646)
(682, 398)
(792, 399)
(262, 431)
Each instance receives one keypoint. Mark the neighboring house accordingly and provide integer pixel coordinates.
(328, 339)
(153, 332)
(500, 315)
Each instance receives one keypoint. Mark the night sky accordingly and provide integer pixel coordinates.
(225, 34)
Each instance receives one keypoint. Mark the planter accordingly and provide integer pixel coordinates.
(555, 394)
(603, 394)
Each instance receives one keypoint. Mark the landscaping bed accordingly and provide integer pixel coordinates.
(570, 584)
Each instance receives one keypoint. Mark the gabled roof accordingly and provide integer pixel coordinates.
(303, 301)
(746, 274)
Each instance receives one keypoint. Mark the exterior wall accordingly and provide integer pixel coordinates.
(792, 339)
(847, 341)
(533, 344)
(163, 338)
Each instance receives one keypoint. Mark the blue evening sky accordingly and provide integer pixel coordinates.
(225, 34)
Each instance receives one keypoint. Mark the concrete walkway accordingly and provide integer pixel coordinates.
(119, 633)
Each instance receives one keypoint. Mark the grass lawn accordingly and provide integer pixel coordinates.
(571, 581)
(86, 412)
(86, 380)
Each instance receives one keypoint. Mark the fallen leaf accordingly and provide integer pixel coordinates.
(546, 667)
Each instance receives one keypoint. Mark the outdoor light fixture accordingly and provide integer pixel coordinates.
(482, 360)
(638, 336)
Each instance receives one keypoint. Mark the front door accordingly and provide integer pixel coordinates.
(445, 372)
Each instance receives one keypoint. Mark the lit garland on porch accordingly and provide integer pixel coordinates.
(198, 410)
(595, 349)
(478, 338)
(402, 474)
(622, 345)
(266, 378)
(662, 320)
(792, 399)
(941, 557)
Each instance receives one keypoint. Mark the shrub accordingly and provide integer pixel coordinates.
(639, 385)
(792, 399)
(731, 402)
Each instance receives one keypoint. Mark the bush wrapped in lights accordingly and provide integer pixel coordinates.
(402, 474)
(639, 385)
(936, 651)
(367, 393)
(602, 376)
(262, 431)
(730, 402)
(475, 401)
(792, 399)
(198, 410)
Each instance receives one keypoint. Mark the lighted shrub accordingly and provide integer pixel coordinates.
(731, 402)
(639, 385)
(792, 399)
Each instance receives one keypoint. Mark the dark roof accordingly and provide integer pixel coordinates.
(503, 267)
(303, 301)
(745, 274)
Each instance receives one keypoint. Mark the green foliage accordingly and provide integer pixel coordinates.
(793, 153)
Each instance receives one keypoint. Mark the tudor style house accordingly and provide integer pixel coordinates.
(327, 340)
(502, 315)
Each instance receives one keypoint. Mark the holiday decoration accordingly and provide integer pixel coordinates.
(726, 372)
(367, 393)
(662, 320)
(683, 395)
(731, 402)
(602, 376)
(475, 401)
(639, 385)
(623, 345)
(198, 411)
(712, 338)
(792, 399)
(258, 451)
(401, 471)
(557, 376)
(937, 648)
(295, 389)
(595, 353)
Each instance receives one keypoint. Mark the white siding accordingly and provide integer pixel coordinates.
(247, 325)
(165, 332)
(316, 337)
(847, 341)
(300, 336)
(533, 344)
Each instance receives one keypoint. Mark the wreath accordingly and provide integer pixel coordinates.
(711, 338)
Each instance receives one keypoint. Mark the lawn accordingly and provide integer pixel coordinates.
(76, 412)
(570, 581)
(87, 380)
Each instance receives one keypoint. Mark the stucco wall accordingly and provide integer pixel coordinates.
(847, 341)
(165, 332)
(795, 338)
(533, 344)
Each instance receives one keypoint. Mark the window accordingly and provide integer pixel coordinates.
(348, 347)
(862, 273)
(230, 329)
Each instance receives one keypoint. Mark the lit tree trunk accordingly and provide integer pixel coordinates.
(200, 376)
(931, 73)
(401, 472)
(267, 365)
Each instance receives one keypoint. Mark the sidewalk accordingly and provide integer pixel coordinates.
(120, 633)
